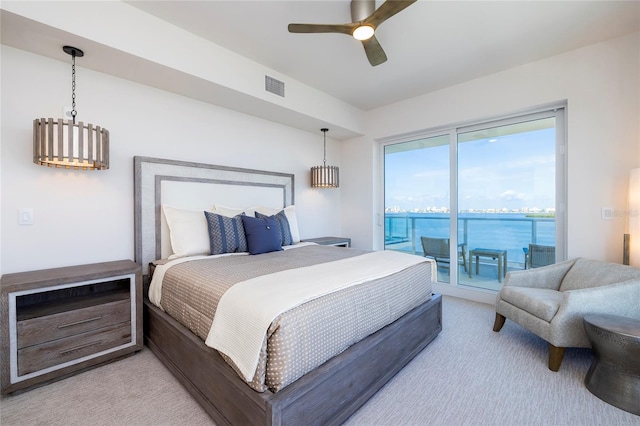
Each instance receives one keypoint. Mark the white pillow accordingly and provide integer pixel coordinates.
(290, 213)
(233, 211)
(188, 231)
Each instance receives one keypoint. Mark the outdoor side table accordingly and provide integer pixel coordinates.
(614, 375)
(501, 255)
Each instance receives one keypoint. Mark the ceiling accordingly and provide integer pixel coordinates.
(430, 45)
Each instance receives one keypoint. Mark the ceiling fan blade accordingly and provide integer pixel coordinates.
(322, 28)
(387, 10)
(374, 51)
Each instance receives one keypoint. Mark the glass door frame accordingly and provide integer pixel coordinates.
(557, 110)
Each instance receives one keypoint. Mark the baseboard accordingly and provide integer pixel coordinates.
(482, 296)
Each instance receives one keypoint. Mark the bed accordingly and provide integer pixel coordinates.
(230, 392)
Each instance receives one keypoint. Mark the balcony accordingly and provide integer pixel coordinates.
(499, 231)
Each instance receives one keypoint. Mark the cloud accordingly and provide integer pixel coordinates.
(511, 195)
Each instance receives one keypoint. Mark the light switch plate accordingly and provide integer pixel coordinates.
(25, 216)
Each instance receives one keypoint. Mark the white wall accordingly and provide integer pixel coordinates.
(87, 216)
(602, 86)
(148, 50)
(359, 192)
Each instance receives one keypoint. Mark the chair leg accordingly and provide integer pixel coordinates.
(555, 357)
(499, 322)
(464, 260)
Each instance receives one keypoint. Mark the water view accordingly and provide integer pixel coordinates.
(503, 231)
(503, 180)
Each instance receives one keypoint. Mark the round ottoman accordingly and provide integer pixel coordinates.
(614, 375)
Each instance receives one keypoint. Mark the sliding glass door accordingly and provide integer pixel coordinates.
(417, 198)
(507, 197)
(508, 178)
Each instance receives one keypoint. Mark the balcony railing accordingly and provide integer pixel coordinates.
(495, 231)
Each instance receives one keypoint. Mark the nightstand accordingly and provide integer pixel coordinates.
(58, 322)
(330, 241)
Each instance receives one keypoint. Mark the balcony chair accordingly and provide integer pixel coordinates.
(538, 255)
(551, 301)
(438, 250)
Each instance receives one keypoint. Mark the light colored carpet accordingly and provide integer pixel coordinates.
(468, 375)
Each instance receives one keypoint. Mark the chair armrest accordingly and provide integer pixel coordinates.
(621, 299)
(549, 277)
(567, 329)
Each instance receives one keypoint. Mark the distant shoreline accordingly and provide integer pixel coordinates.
(542, 215)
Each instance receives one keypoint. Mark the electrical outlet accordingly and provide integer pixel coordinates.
(607, 213)
(25, 216)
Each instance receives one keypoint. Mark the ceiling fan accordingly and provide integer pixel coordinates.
(366, 18)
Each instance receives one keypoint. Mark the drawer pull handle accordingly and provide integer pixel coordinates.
(77, 348)
(79, 322)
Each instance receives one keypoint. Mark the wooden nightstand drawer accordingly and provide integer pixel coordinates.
(39, 357)
(52, 327)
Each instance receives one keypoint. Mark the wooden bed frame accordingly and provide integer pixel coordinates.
(330, 394)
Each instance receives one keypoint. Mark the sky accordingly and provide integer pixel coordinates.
(509, 172)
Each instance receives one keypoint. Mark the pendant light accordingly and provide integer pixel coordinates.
(325, 176)
(67, 144)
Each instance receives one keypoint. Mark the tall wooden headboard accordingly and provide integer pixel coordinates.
(195, 186)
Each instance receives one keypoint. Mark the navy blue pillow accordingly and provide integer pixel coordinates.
(284, 231)
(226, 234)
(262, 234)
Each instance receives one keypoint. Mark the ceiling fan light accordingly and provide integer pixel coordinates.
(363, 32)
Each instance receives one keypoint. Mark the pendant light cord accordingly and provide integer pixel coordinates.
(324, 161)
(73, 86)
